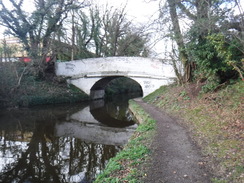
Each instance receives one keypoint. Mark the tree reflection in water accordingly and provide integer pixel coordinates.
(30, 152)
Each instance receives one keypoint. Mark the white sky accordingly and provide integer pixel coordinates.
(137, 10)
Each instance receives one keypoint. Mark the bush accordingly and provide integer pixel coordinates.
(218, 58)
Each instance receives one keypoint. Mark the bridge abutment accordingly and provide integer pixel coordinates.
(97, 94)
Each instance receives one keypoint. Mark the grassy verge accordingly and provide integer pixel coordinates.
(216, 124)
(126, 166)
(18, 88)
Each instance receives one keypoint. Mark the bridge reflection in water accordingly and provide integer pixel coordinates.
(61, 144)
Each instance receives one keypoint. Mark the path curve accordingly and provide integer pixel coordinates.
(175, 157)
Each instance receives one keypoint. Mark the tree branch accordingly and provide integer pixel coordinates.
(186, 11)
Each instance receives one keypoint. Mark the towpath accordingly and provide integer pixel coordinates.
(175, 157)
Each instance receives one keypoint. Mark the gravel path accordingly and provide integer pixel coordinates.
(175, 157)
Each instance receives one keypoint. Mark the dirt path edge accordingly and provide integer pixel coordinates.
(175, 157)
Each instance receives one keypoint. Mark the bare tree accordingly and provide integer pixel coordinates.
(36, 29)
(107, 32)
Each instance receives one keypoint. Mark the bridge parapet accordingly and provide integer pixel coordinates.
(115, 64)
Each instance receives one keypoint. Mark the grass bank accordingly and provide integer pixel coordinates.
(215, 121)
(18, 88)
(127, 165)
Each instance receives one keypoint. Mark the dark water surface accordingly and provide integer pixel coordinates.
(65, 143)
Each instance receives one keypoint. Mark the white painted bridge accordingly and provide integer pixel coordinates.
(93, 74)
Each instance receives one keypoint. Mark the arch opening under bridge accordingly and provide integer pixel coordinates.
(98, 90)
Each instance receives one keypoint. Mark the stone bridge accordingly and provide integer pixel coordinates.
(93, 74)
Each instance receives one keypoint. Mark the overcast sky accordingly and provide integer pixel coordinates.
(137, 10)
(140, 11)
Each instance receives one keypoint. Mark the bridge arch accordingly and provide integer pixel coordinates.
(98, 89)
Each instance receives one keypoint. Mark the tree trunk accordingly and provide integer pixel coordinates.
(73, 37)
(179, 40)
(204, 24)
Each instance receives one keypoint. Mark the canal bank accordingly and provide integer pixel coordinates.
(34, 93)
(19, 87)
(213, 135)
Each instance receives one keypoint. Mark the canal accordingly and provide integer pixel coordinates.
(62, 143)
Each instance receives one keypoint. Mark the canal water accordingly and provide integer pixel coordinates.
(64, 143)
